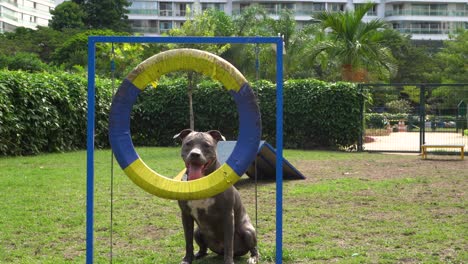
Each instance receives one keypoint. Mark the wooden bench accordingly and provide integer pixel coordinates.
(427, 146)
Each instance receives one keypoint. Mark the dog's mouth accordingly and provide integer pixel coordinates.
(196, 170)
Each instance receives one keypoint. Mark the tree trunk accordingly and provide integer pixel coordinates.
(190, 82)
(350, 74)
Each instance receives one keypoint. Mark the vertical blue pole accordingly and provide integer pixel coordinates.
(279, 151)
(90, 155)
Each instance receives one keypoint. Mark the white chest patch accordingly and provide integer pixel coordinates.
(200, 205)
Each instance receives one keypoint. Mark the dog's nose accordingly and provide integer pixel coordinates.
(195, 153)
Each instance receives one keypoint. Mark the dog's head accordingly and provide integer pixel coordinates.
(199, 152)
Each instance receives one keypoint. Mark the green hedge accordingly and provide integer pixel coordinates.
(316, 114)
(43, 112)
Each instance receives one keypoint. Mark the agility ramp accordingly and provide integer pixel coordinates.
(265, 160)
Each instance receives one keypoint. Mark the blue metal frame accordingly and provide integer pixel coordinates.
(92, 40)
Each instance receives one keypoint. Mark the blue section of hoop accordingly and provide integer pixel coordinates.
(119, 123)
(250, 130)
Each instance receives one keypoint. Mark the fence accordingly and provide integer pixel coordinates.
(402, 117)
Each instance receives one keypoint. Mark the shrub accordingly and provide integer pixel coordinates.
(376, 120)
(316, 114)
(399, 106)
(25, 61)
(47, 113)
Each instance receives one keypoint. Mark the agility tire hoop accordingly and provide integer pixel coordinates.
(148, 72)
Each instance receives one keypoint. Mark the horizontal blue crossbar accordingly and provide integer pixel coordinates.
(192, 40)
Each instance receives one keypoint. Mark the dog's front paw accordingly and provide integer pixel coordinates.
(252, 260)
(200, 254)
(187, 260)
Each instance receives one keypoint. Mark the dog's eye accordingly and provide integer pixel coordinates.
(189, 143)
(206, 145)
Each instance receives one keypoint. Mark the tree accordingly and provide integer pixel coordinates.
(210, 23)
(74, 51)
(355, 44)
(254, 21)
(67, 15)
(106, 14)
(42, 41)
(415, 64)
(453, 58)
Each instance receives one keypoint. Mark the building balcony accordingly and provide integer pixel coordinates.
(425, 31)
(146, 30)
(410, 12)
(143, 12)
(161, 13)
(9, 17)
(296, 13)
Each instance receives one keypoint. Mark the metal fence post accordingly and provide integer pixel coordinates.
(361, 113)
(422, 115)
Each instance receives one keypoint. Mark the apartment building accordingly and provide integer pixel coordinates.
(424, 20)
(24, 13)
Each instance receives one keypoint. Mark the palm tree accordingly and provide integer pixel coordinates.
(355, 44)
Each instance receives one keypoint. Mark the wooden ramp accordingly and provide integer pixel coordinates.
(266, 162)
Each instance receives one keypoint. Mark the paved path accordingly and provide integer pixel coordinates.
(409, 141)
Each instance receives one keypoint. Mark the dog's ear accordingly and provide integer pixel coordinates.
(183, 133)
(216, 135)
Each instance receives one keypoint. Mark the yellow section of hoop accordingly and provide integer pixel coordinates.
(203, 62)
(163, 187)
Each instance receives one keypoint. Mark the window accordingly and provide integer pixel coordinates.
(319, 7)
(286, 6)
(165, 9)
(269, 8)
(181, 9)
(336, 7)
(216, 6)
(165, 26)
(143, 5)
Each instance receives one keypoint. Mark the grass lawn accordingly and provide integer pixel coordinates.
(353, 208)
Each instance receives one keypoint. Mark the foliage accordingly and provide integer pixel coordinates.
(210, 23)
(376, 120)
(74, 51)
(316, 114)
(47, 113)
(399, 106)
(260, 24)
(354, 43)
(29, 62)
(453, 58)
(107, 14)
(67, 15)
(42, 41)
(321, 114)
(414, 63)
(41, 112)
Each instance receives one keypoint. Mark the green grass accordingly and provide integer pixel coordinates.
(353, 208)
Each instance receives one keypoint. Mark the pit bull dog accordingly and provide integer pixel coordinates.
(224, 226)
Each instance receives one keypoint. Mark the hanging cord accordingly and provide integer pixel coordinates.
(257, 62)
(112, 165)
